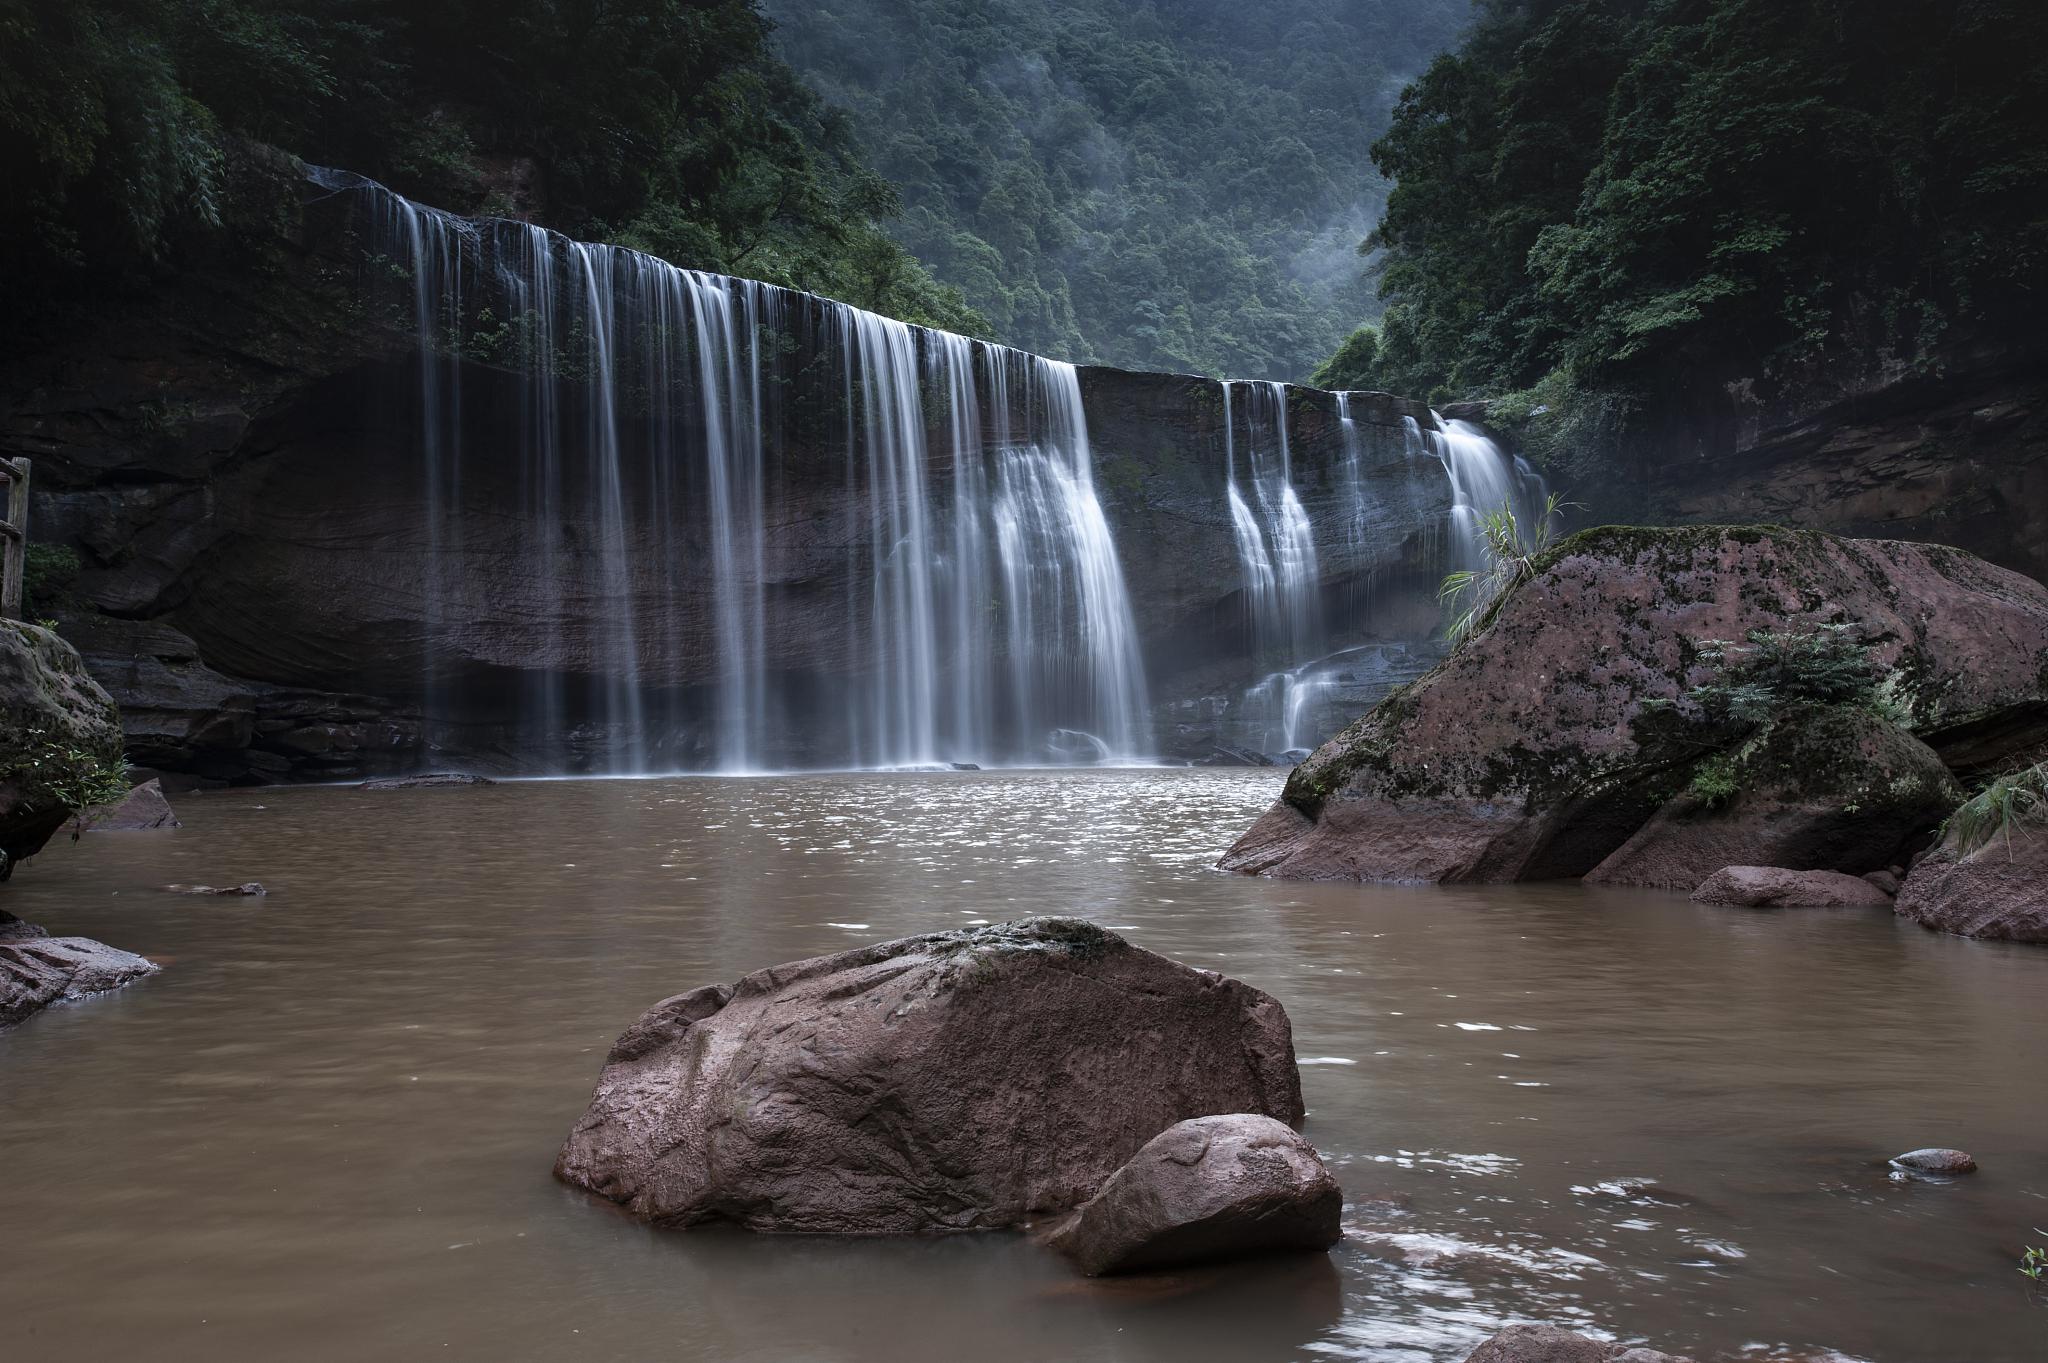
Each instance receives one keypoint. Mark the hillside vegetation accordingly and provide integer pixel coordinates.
(1148, 184)
(664, 124)
(1616, 211)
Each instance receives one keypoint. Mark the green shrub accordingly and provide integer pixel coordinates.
(1714, 782)
(1828, 665)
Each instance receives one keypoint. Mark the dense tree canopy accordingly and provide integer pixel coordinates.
(1642, 197)
(667, 124)
(1150, 183)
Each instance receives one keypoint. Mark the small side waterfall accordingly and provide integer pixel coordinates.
(1276, 547)
(983, 615)
(1290, 708)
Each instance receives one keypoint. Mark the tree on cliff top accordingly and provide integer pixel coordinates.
(1662, 196)
(666, 124)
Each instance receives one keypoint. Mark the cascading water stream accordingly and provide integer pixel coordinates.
(1276, 545)
(983, 616)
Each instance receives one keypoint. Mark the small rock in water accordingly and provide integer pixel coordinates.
(144, 807)
(965, 766)
(1204, 1189)
(251, 888)
(435, 778)
(1936, 1160)
(41, 970)
(1772, 887)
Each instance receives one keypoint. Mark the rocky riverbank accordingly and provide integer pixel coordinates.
(1651, 706)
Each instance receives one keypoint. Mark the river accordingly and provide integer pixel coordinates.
(324, 1131)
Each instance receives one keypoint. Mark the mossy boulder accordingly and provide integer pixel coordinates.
(60, 738)
(1554, 732)
(1821, 788)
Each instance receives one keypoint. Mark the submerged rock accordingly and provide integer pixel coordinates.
(1936, 1160)
(1549, 738)
(1204, 1189)
(142, 808)
(954, 1081)
(252, 889)
(1549, 1344)
(37, 971)
(432, 778)
(1769, 887)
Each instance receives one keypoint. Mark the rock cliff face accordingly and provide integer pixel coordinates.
(267, 588)
(1956, 457)
(1559, 739)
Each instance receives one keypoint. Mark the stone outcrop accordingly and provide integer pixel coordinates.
(1769, 887)
(59, 736)
(1558, 730)
(1998, 892)
(956, 1081)
(37, 970)
(1828, 785)
(1956, 455)
(142, 808)
(1205, 1189)
(1549, 1344)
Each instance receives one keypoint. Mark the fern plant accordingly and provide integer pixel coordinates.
(1511, 550)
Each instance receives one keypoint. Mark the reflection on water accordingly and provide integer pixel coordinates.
(324, 1132)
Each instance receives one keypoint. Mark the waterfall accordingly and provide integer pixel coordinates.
(1484, 480)
(962, 603)
(1276, 545)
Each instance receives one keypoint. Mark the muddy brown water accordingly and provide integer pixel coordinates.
(324, 1132)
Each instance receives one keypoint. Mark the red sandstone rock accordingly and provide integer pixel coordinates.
(1206, 1189)
(955, 1081)
(1769, 887)
(1999, 892)
(1528, 753)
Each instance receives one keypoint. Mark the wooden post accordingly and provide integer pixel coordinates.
(15, 472)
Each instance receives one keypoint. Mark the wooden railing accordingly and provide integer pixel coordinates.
(14, 473)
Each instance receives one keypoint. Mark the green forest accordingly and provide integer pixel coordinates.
(1608, 210)
(1152, 185)
(664, 124)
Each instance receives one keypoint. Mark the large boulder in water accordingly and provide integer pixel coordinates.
(955, 1081)
(1205, 1189)
(1552, 734)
